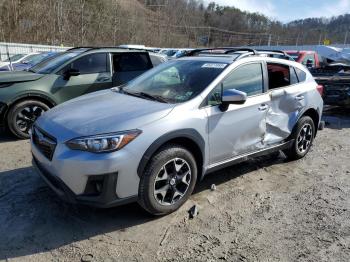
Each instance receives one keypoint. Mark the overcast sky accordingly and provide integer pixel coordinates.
(288, 10)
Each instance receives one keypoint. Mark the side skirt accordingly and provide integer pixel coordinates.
(241, 158)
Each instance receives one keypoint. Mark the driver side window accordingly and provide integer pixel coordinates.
(90, 64)
(246, 78)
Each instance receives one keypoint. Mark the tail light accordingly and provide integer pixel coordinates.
(320, 89)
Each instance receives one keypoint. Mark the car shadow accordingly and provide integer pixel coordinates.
(336, 117)
(5, 136)
(35, 220)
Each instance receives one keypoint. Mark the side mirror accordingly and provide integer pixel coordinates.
(70, 72)
(232, 96)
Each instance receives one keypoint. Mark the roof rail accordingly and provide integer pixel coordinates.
(246, 52)
(81, 47)
(278, 52)
(88, 48)
(272, 50)
(225, 50)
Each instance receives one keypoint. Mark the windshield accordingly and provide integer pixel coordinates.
(49, 65)
(176, 81)
(15, 58)
(35, 59)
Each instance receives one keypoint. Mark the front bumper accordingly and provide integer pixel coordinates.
(104, 198)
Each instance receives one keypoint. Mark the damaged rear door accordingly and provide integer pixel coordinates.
(288, 93)
(241, 128)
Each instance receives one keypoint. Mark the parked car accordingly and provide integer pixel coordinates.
(152, 139)
(168, 52)
(14, 59)
(157, 59)
(335, 78)
(28, 62)
(26, 95)
(182, 52)
(310, 59)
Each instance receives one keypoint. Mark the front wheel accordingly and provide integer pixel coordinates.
(303, 135)
(22, 115)
(168, 180)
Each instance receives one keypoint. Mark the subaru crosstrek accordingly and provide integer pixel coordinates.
(151, 139)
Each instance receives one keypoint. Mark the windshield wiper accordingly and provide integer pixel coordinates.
(153, 97)
(144, 95)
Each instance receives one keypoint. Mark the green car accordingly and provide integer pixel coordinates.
(24, 96)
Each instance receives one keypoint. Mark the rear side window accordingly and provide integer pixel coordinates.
(247, 78)
(91, 64)
(279, 75)
(301, 74)
(131, 62)
(293, 76)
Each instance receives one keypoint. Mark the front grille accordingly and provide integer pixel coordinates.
(44, 142)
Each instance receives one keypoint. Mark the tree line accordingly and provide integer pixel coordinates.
(163, 23)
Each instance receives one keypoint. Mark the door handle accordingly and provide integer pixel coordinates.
(263, 107)
(299, 98)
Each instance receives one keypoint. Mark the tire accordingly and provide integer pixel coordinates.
(22, 115)
(303, 135)
(174, 187)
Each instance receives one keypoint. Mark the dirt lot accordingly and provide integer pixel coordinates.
(266, 209)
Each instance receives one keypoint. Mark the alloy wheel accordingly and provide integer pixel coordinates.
(304, 138)
(172, 182)
(27, 116)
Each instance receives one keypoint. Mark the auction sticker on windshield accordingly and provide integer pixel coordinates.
(214, 65)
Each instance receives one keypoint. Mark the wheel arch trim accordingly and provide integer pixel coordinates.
(33, 95)
(190, 134)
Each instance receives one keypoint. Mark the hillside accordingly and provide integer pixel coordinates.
(177, 23)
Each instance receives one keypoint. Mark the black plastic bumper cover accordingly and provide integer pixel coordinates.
(3, 108)
(107, 198)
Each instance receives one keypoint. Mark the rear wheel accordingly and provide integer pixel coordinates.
(303, 136)
(22, 116)
(168, 181)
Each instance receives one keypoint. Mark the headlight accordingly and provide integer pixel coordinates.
(103, 143)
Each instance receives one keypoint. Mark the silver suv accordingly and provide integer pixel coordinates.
(153, 138)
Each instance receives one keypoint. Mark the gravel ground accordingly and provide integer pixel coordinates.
(266, 209)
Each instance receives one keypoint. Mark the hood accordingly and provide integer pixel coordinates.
(22, 76)
(99, 113)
